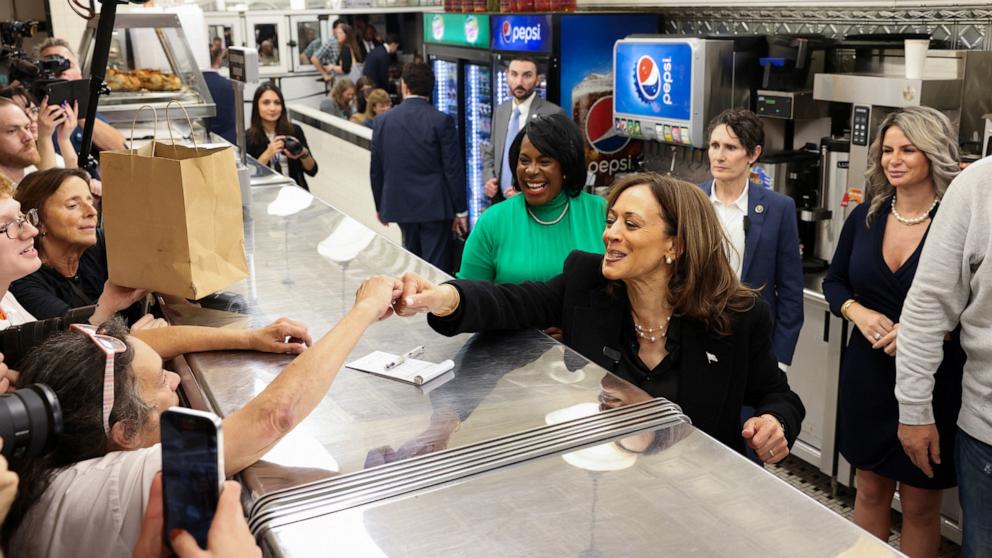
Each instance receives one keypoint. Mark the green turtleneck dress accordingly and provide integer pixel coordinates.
(508, 246)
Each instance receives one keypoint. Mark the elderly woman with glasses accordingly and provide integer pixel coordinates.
(71, 248)
(113, 388)
(528, 237)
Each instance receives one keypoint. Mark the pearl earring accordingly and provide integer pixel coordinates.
(668, 260)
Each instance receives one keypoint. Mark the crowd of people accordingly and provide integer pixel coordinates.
(692, 292)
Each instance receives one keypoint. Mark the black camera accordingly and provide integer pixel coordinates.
(15, 65)
(30, 422)
(292, 146)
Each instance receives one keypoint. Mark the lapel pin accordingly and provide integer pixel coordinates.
(711, 358)
(759, 208)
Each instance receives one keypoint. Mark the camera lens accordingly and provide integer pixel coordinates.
(293, 145)
(30, 422)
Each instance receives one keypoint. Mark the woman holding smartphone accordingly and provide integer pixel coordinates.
(274, 140)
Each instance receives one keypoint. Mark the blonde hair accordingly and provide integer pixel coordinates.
(930, 131)
(376, 97)
(6, 187)
(703, 286)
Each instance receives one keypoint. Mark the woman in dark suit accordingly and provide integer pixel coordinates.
(910, 165)
(761, 225)
(266, 138)
(662, 310)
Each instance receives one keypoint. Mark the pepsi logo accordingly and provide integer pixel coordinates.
(506, 30)
(647, 78)
(599, 129)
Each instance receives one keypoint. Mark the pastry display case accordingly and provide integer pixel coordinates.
(150, 63)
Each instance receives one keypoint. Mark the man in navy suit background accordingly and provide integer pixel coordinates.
(223, 124)
(377, 62)
(417, 172)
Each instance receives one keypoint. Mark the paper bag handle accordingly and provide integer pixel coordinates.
(154, 126)
(192, 136)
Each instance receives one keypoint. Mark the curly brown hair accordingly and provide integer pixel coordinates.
(703, 286)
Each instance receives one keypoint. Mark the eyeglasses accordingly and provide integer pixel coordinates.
(110, 347)
(18, 224)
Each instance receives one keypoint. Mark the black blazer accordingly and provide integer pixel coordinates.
(718, 374)
(296, 170)
(417, 171)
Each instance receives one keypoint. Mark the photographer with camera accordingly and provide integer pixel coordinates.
(105, 136)
(274, 140)
(48, 122)
(110, 450)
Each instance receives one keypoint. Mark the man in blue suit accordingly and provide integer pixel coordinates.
(418, 176)
(760, 224)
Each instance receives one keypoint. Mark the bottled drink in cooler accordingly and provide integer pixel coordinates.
(524, 5)
(480, 5)
(542, 5)
(506, 6)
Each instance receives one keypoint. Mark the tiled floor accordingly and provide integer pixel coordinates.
(815, 484)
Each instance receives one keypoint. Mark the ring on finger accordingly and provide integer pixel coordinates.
(771, 453)
(877, 336)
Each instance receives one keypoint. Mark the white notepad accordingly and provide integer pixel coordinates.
(411, 371)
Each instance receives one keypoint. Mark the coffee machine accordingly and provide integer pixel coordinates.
(873, 85)
(794, 122)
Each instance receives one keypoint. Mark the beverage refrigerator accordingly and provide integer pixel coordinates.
(457, 48)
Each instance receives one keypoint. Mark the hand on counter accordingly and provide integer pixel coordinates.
(281, 336)
(765, 436)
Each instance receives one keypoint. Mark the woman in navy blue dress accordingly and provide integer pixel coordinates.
(911, 163)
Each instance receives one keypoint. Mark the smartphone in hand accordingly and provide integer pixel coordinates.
(192, 471)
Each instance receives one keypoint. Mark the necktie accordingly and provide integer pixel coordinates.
(505, 173)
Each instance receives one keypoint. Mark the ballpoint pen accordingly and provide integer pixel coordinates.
(402, 358)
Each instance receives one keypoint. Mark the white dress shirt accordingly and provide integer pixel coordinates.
(524, 109)
(732, 218)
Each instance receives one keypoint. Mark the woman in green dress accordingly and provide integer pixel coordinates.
(528, 237)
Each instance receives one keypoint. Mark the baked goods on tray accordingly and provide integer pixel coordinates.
(142, 80)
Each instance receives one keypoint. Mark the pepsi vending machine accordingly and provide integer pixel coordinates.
(529, 35)
(585, 52)
(668, 89)
(457, 46)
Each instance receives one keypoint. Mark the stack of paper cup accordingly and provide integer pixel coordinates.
(916, 57)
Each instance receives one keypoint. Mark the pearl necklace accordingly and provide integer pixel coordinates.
(645, 332)
(560, 217)
(910, 221)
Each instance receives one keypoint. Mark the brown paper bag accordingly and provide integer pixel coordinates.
(173, 219)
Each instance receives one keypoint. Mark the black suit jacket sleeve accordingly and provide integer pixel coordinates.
(376, 171)
(488, 306)
(767, 388)
(454, 168)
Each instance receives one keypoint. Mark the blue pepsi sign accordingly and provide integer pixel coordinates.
(521, 33)
(653, 80)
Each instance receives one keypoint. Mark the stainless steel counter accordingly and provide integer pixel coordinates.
(679, 490)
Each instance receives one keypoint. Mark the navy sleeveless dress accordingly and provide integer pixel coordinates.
(869, 413)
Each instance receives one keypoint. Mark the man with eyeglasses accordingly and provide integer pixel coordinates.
(18, 150)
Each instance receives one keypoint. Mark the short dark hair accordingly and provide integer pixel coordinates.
(419, 79)
(525, 58)
(336, 23)
(392, 38)
(558, 137)
(744, 124)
